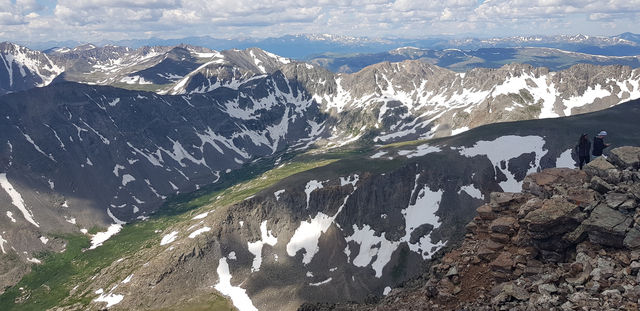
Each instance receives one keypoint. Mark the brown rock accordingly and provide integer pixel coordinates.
(532, 270)
(500, 201)
(505, 225)
(503, 263)
(471, 227)
(485, 212)
(485, 253)
(581, 196)
(547, 183)
(494, 245)
(531, 205)
(500, 238)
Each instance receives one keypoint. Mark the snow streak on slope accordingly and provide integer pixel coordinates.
(237, 294)
(16, 199)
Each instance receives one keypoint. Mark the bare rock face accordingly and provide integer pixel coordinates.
(626, 157)
(604, 169)
(571, 243)
(607, 226)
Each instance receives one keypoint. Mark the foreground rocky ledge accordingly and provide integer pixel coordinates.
(569, 241)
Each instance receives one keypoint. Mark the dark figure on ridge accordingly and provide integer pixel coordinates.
(584, 146)
(598, 144)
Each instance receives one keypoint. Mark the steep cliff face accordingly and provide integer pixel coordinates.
(23, 69)
(570, 240)
(322, 235)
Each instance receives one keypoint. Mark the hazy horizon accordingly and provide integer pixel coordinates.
(115, 20)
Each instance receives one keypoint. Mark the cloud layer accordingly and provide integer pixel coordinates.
(95, 20)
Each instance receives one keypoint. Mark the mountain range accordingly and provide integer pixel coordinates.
(304, 46)
(183, 172)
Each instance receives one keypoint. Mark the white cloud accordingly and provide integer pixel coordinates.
(94, 20)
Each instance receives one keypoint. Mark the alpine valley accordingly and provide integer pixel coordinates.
(180, 177)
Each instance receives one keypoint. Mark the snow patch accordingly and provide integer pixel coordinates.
(353, 180)
(197, 232)
(505, 148)
(168, 238)
(386, 291)
(110, 299)
(126, 178)
(321, 283)
(237, 294)
(278, 193)
(311, 186)
(565, 160)
(128, 279)
(472, 191)
(2, 241)
(378, 155)
(114, 102)
(459, 130)
(10, 215)
(101, 237)
(266, 237)
(200, 216)
(419, 151)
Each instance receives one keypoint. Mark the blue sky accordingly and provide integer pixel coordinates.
(96, 20)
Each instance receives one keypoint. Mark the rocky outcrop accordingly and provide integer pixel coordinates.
(564, 243)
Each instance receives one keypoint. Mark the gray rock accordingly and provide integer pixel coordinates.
(625, 157)
(615, 199)
(452, 271)
(602, 168)
(635, 267)
(547, 289)
(607, 226)
(628, 205)
(508, 290)
(632, 239)
(599, 185)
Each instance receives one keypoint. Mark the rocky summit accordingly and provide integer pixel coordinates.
(569, 241)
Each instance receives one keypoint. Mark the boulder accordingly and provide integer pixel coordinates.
(602, 168)
(632, 239)
(529, 206)
(486, 253)
(547, 182)
(556, 216)
(506, 291)
(503, 263)
(485, 212)
(607, 226)
(625, 157)
(599, 185)
(615, 199)
(500, 201)
(505, 225)
(581, 196)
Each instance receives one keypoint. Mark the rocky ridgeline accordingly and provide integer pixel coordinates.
(569, 241)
